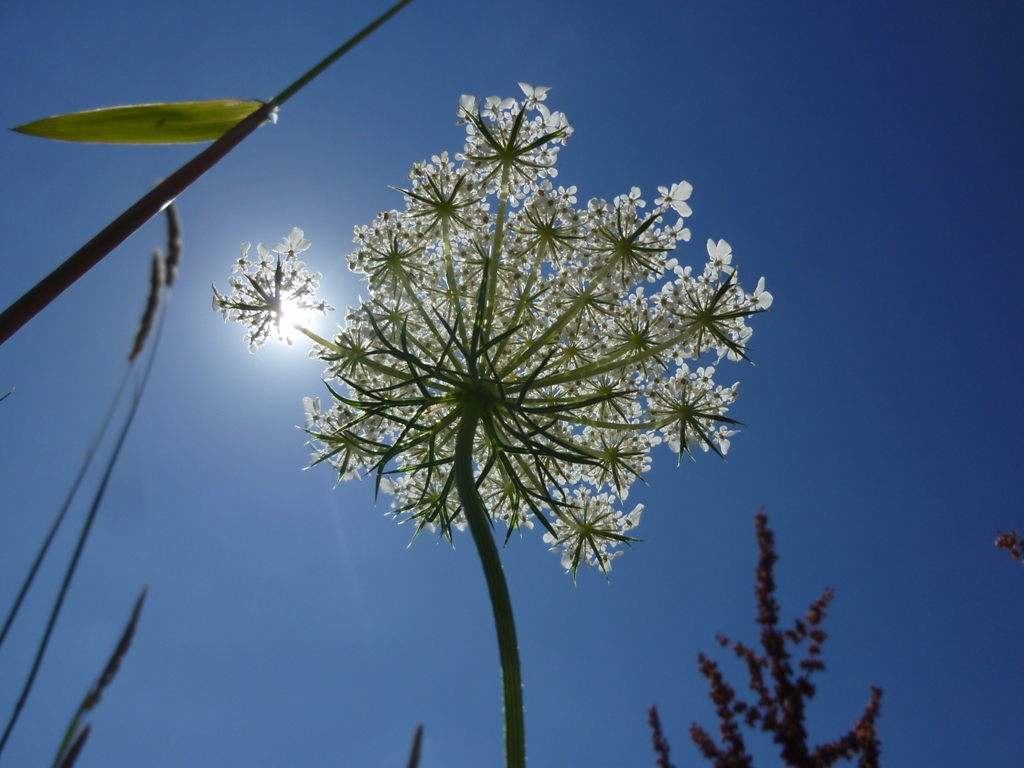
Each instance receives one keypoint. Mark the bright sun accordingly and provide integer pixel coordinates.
(293, 314)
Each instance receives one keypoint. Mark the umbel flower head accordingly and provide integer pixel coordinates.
(269, 290)
(559, 343)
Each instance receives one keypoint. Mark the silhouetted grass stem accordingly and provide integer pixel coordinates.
(76, 748)
(84, 535)
(64, 508)
(73, 738)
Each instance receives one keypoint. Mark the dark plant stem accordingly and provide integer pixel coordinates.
(414, 751)
(92, 697)
(84, 535)
(76, 748)
(479, 526)
(89, 255)
(63, 510)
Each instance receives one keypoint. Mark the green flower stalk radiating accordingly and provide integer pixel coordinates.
(518, 357)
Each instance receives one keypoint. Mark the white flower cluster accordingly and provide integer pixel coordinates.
(275, 288)
(565, 334)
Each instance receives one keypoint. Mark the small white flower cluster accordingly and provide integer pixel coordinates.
(493, 298)
(589, 527)
(274, 288)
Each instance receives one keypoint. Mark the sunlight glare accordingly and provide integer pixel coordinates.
(294, 315)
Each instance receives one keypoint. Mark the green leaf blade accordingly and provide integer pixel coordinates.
(183, 122)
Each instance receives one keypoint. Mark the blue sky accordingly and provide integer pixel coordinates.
(865, 157)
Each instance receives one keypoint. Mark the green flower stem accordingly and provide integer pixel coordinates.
(313, 336)
(428, 320)
(381, 368)
(567, 317)
(495, 258)
(460, 324)
(524, 300)
(319, 339)
(611, 363)
(578, 305)
(636, 426)
(479, 526)
(620, 358)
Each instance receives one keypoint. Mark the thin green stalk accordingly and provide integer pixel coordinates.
(319, 339)
(524, 300)
(610, 363)
(460, 324)
(89, 255)
(340, 51)
(574, 309)
(429, 321)
(637, 426)
(380, 367)
(495, 258)
(479, 526)
(369, 363)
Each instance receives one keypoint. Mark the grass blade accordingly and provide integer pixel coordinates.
(184, 122)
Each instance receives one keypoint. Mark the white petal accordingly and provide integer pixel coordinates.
(682, 208)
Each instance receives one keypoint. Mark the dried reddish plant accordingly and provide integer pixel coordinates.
(779, 709)
(658, 739)
(1012, 543)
